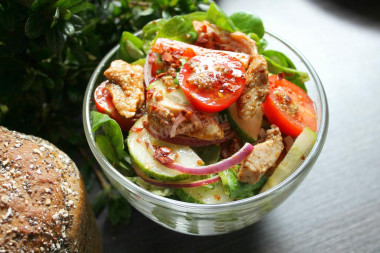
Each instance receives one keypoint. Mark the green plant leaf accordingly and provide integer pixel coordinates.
(55, 18)
(111, 129)
(119, 210)
(199, 16)
(55, 40)
(63, 3)
(130, 47)
(295, 76)
(149, 33)
(66, 14)
(100, 201)
(48, 82)
(279, 58)
(77, 22)
(209, 154)
(68, 29)
(106, 147)
(82, 6)
(236, 189)
(248, 23)
(178, 28)
(34, 26)
(217, 16)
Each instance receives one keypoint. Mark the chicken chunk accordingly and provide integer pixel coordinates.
(126, 85)
(211, 36)
(255, 90)
(263, 157)
(170, 117)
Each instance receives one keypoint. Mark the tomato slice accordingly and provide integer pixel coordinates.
(104, 104)
(212, 81)
(156, 64)
(289, 107)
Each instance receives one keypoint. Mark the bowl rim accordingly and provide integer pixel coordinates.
(177, 204)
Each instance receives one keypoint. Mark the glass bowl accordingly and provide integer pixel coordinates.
(201, 219)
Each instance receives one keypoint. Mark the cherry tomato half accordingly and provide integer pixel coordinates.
(212, 81)
(156, 64)
(289, 107)
(104, 104)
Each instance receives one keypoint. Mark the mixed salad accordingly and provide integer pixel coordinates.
(208, 115)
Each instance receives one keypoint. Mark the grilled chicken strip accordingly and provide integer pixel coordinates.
(263, 156)
(165, 113)
(211, 36)
(126, 85)
(256, 88)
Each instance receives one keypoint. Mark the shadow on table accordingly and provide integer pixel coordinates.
(143, 235)
(365, 9)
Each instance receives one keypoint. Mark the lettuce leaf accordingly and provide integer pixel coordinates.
(248, 23)
(149, 33)
(279, 62)
(236, 189)
(130, 48)
(111, 141)
(209, 154)
(218, 17)
(178, 28)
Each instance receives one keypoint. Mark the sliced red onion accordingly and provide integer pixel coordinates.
(178, 120)
(239, 156)
(189, 141)
(225, 125)
(175, 184)
(148, 70)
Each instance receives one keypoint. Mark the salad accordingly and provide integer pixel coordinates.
(197, 109)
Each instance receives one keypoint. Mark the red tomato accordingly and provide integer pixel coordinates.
(156, 64)
(104, 104)
(212, 81)
(289, 107)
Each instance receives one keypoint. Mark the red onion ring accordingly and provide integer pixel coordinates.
(148, 70)
(178, 120)
(239, 156)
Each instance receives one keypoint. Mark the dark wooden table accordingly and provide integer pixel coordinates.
(337, 207)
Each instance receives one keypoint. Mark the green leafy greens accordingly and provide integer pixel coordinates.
(208, 154)
(279, 62)
(112, 142)
(248, 23)
(130, 47)
(236, 189)
(216, 16)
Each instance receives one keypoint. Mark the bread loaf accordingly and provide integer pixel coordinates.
(43, 203)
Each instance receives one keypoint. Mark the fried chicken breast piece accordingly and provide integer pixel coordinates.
(263, 157)
(165, 112)
(126, 85)
(213, 37)
(256, 88)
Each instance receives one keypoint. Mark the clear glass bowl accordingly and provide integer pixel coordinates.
(198, 219)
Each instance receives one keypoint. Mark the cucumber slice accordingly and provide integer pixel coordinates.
(293, 159)
(203, 195)
(172, 93)
(141, 151)
(248, 130)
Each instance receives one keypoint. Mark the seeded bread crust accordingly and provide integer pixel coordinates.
(43, 202)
